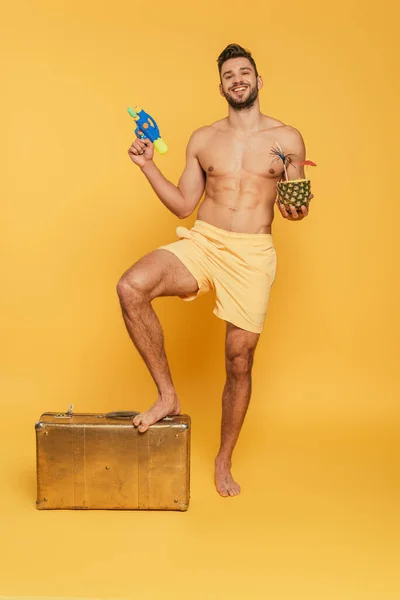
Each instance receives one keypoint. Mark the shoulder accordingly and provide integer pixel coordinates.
(272, 124)
(199, 137)
(220, 125)
(291, 134)
(217, 127)
(283, 130)
(290, 139)
(204, 132)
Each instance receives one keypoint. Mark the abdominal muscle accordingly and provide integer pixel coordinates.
(242, 205)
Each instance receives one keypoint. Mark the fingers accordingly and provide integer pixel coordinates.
(304, 210)
(293, 214)
(134, 152)
(144, 140)
(283, 210)
(138, 147)
(298, 215)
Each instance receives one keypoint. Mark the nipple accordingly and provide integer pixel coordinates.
(272, 171)
(211, 168)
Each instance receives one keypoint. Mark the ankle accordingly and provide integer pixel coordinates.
(223, 460)
(165, 395)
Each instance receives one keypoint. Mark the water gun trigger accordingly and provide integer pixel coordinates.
(139, 134)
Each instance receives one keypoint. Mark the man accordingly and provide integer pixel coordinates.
(229, 250)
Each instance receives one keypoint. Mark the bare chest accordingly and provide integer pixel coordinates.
(230, 156)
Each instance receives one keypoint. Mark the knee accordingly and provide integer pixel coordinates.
(133, 287)
(240, 364)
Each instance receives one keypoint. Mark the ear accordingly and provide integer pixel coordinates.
(260, 82)
(221, 90)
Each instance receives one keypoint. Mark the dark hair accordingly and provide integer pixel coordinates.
(235, 51)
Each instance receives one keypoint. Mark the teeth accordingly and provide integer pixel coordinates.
(240, 89)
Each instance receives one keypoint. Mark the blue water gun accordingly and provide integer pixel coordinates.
(148, 128)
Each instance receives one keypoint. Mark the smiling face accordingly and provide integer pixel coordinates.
(239, 84)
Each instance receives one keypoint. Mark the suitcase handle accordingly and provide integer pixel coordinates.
(122, 414)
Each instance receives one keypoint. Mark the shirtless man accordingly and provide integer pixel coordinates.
(229, 250)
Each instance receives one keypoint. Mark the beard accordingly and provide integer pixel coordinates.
(243, 104)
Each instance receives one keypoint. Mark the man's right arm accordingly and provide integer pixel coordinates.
(181, 200)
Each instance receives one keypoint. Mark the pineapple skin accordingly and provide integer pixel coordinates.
(294, 192)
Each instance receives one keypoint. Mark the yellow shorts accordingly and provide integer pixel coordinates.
(239, 267)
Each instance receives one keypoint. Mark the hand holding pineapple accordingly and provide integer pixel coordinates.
(293, 195)
(291, 213)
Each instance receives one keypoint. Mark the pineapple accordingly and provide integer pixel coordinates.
(294, 192)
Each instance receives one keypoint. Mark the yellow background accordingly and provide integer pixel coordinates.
(318, 455)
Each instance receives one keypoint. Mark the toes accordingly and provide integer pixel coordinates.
(140, 423)
(136, 421)
(143, 427)
(225, 484)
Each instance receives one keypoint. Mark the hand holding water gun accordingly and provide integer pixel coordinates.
(147, 129)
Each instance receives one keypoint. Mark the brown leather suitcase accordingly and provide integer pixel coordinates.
(101, 461)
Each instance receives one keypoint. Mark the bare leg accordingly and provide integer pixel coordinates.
(240, 347)
(159, 273)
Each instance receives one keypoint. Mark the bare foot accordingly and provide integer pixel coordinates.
(167, 404)
(224, 482)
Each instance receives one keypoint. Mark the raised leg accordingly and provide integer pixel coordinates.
(159, 273)
(239, 353)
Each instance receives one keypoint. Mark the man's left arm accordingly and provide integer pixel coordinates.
(295, 149)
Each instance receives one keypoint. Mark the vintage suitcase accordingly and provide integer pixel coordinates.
(101, 461)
